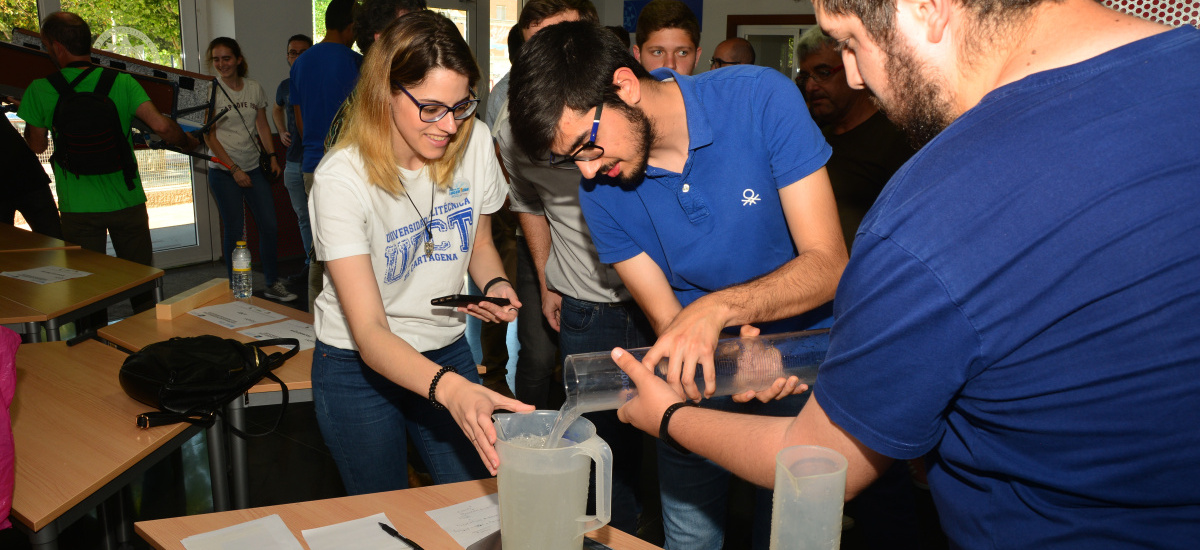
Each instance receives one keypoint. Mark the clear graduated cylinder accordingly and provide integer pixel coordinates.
(593, 382)
(242, 282)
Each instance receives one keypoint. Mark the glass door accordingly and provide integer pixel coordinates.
(180, 225)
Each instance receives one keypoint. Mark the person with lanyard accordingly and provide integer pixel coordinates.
(235, 140)
(399, 222)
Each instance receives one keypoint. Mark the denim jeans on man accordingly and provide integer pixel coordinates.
(587, 327)
(366, 419)
(230, 196)
(293, 181)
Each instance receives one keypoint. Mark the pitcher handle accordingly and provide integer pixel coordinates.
(599, 452)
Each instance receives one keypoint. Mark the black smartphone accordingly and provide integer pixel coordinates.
(461, 300)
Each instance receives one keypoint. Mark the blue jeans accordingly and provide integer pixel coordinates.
(695, 490)
(293, 180)
(538, 357)
(229, 197)
(589, 327)
(366, 419)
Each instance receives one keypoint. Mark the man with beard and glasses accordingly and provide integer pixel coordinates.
(708, 196)
(867, 148)
(1021, 304)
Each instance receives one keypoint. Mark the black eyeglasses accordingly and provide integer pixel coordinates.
(433, 112)
(588, 151)
(717, 62)
(820, 74)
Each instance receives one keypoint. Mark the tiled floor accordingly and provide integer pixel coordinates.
(293, 464)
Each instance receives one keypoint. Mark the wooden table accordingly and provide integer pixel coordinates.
(15, 239)
(138, 331)
(76, 440)
(111, 280)
(406, 510)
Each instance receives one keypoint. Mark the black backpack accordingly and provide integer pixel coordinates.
(89, 138)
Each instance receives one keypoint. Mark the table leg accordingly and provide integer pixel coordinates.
(237, 451)
(46, 539)
(159, 295)
(217, 466)
(52, 330)
(34, 330)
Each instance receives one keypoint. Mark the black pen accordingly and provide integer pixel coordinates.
(388, 529)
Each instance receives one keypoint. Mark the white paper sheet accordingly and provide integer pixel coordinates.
(236, 315)
(360, 534)
(285, 329)
(46, 274)
(267, 533)
(470, 521)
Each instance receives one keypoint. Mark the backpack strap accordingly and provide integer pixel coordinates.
(107, 78)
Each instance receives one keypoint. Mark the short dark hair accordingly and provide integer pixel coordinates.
(515, 39)
(620, 33)
(879, 16)
(667, 14)
(339, 14)
(537, 10)
(301, 38)
(568, 65)
(68, 29)
(373, 16)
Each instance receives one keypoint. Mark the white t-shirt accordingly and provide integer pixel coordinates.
(232, 134)
(351, 217)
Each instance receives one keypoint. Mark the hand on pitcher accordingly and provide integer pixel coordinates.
(472, 406)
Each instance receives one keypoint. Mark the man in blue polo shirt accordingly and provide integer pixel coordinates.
(1021, 306)
(709, 197)
(322, 79)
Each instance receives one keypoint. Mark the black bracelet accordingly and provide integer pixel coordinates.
(489, 284)
(664, 435)
(433, 387)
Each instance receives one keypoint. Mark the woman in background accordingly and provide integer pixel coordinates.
(235, 140)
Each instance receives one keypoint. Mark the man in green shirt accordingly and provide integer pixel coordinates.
(96, 206)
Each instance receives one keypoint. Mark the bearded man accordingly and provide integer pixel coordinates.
(1021, 303)
(709, 197)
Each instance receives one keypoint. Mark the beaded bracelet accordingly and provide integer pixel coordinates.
(489, 284)
(234, 168)
(433, 387)
(664, 435)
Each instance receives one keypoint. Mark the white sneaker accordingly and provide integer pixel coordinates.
(279, 292)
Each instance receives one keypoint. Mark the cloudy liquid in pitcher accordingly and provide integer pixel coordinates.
(549, 501)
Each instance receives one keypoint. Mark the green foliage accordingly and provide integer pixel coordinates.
(17, 13)
(318, 14)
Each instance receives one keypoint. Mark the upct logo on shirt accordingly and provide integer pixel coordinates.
(459, 188)
(450, 224)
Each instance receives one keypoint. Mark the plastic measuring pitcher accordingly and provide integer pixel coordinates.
(593, 382)
(810, 487)
(544, 491)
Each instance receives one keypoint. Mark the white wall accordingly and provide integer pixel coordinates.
(716, 11)
(262, 28)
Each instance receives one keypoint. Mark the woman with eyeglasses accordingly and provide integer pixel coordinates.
(400, 211)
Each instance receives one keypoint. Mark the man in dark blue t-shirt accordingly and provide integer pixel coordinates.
(289, 133)
(708, 196)
(321, 80)
(1021, 303)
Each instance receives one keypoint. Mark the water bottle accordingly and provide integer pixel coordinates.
(242, 282)
(593, 382)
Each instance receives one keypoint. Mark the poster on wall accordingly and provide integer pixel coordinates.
(633, 8)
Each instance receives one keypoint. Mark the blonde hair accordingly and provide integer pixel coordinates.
(404, 54)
